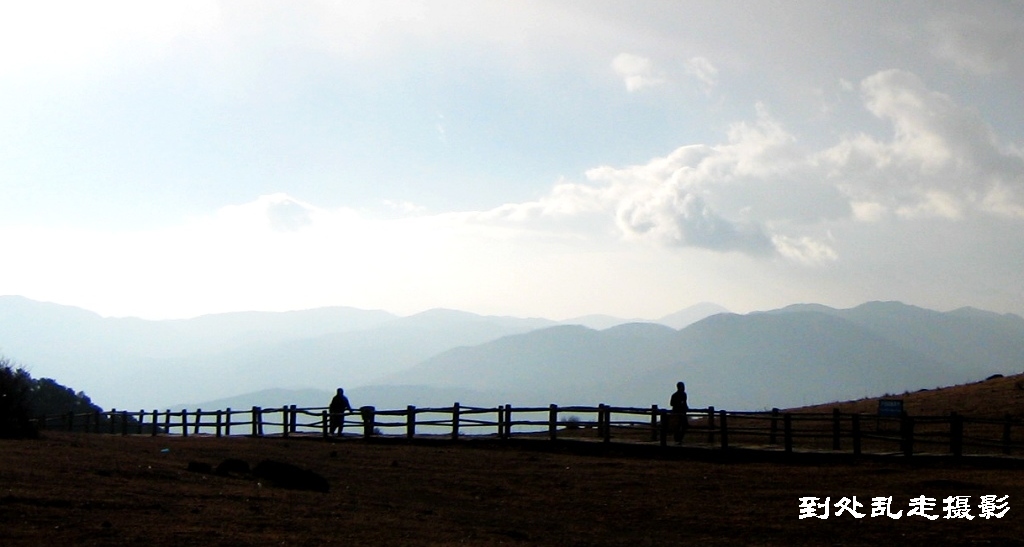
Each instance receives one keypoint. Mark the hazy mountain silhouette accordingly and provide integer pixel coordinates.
(129, 362)
(680, 319)
(380, 396)
(789, 357)
(686, 317)
(966, 337)
(794, 356)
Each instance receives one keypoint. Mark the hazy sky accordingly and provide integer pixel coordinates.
(522, 158)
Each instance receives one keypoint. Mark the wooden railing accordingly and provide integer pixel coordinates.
(770, 430)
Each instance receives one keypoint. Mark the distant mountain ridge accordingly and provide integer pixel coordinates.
(130, 362)
(790, 357)
(793, 356)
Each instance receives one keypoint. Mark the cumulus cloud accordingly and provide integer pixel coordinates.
(805, 249)
(684, 219)
(733, 197)
(941, 159)
(287, 215)
(637, 72)
(705, 73)
(762, 193)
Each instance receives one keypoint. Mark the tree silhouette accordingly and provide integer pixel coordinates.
(15, 397)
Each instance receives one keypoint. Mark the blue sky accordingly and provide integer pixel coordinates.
(529, 158)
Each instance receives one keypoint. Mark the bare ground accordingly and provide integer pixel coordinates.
(81, 489)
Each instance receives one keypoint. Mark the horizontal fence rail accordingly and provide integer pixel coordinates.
(768, 430)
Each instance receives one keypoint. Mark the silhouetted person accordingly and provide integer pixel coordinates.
(679, 409)
(339, 405)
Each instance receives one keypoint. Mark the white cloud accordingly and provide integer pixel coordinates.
(637, 72)
(761, 193)
(404, 207)
(684, 219)
(804, 250)
(942, 159)
(705, 73)
(720, 198)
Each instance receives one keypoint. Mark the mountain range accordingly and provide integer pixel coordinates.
(793, 356)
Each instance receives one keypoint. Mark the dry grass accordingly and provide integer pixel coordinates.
(985, 399)
(79, 489)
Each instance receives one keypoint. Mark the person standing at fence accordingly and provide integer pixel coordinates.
(679, 409)
(339, 406)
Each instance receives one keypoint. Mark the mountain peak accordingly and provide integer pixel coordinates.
(690, 315)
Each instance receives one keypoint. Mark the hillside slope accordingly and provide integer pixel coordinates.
(991, 398)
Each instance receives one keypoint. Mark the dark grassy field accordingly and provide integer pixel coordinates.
(92, 489)
(82, 489)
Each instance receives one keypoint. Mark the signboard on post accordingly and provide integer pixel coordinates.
(890, 408)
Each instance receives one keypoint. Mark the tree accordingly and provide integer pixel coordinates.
(15, 401)
(48, 398)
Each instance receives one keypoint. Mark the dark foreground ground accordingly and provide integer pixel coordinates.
(76, 489)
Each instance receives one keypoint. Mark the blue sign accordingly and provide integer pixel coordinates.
(890, 407)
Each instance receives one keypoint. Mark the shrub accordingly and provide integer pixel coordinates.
(15, 401)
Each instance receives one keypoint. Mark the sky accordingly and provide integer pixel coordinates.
(555, 159)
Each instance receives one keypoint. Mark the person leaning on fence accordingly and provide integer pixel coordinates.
(680, 422)
(339, 405)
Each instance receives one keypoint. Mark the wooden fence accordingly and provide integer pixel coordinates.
(772, 430)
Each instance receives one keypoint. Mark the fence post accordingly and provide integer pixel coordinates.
(601, 425)
(220, 421)
(774, 428)
(199, 419)
(956, 434)
(167, 421)
(124, 422)
(725, 429)
(410, 422)
(256, 418)
(184, 422)
(294, 419)
(508, 420)
(836, 428)
(855, 427)
(787, 432)
(142, 420)
(654, 423)
(552, 421)
(1006, 433)
(663, 430)
(501, 423)
(369, 416)
(323, 424)
(113, 422)
(711, 425)
(907, 434)
(455, 420)
(156, 415)
(607, 424)
(285, 430)
(227, 422)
